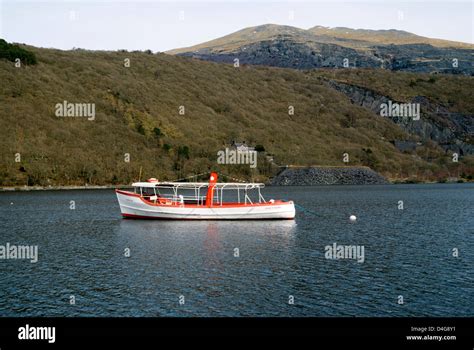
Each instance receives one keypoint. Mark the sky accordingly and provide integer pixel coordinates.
(167, 24)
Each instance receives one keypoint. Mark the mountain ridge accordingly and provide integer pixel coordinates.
(319, 47)
(275, 29)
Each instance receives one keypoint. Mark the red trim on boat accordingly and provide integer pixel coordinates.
(127, 193)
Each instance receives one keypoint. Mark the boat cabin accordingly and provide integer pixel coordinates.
(205, 194)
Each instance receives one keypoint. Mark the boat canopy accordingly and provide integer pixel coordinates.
(194, 185)
(211, 189)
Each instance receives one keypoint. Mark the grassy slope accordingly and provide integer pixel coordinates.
(222, 103)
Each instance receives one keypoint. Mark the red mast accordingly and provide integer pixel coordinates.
(210, 189)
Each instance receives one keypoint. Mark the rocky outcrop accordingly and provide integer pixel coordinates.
(284, 51)
(452, 131)
(328, 176)
(289, 54)
(424, 58)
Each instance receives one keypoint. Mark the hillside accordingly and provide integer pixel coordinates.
(137, 113)
(319, 47)
(446, 104)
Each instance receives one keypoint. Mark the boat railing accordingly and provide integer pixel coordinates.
(175, 198)
(179, 199)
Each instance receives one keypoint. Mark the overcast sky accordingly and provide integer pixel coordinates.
(164, 25)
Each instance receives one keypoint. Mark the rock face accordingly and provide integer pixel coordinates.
(288, 54)
(328, 176)
(452, 131)
(285, 52)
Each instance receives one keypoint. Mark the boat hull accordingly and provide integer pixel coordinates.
(133, 206)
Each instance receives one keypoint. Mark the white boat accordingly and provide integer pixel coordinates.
(200, 201)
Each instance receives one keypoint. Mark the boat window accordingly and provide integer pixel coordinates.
(148, 191)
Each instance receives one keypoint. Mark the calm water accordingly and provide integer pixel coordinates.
(407, 252)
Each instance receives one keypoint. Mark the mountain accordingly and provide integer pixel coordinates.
(138, 128)
(317, 47)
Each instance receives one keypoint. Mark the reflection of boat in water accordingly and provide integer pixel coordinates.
(200, 201)
(274, 230)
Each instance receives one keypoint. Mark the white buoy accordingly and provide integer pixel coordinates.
(352, 218)
(11, 203)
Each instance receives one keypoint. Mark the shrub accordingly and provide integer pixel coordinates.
(141, 129)
(11, 52)
(157, 132)
(183, 152)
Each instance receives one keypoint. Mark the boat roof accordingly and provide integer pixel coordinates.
(193, 185)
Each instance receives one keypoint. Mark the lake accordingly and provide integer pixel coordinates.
(418, 256)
